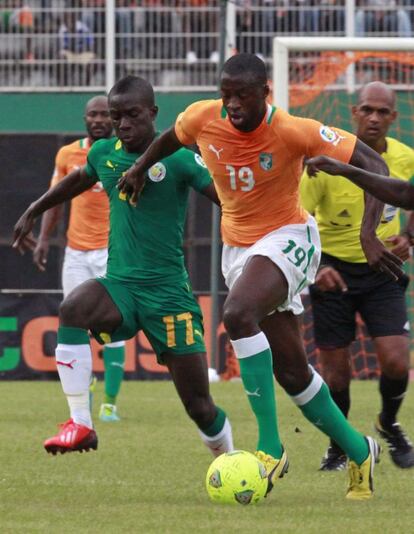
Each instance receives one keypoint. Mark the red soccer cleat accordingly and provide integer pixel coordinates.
(72, 437)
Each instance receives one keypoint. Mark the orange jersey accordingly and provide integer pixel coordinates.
(257, 173)
(89, 212)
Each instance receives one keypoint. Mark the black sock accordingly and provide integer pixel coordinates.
(392, 393)
(343, 401)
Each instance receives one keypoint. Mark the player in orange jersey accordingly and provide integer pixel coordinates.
(271, 249)
(86, 252)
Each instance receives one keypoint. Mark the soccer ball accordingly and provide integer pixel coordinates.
(236, 477)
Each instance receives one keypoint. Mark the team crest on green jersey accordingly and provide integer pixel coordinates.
(157, 172)
(200, 160)
(266, 161)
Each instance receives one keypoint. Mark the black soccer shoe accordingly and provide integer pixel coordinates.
(399, 446)
(334, 460)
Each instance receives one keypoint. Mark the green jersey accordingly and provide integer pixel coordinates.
(146, 240)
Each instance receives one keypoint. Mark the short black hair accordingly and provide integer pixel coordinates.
(247, 65)
(99, 99)
(380, 88)
(134, 84)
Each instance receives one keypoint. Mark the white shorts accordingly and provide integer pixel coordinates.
(82, 265)
(294, 248)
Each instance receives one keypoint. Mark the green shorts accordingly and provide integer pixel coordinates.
(168, 314)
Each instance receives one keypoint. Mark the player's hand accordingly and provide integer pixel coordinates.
(328, 279)
(132, 183)
(381, 259)
(22, 236)
(400, 246)
(40, 254)
(325, 164)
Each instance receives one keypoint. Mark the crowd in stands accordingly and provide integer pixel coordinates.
(73, 31)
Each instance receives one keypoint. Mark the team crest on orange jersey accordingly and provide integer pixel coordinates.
(266, 161)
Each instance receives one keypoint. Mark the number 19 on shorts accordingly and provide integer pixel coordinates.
(297, 255)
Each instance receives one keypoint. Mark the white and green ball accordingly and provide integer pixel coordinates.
(236, 477)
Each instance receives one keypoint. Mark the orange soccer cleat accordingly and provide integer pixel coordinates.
(72, 437)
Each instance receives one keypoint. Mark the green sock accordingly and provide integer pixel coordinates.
(70, 335)
(114, 359)
(217, 425)
(256, 371)
(318, 407)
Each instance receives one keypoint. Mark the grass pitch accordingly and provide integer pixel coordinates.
(148, 473)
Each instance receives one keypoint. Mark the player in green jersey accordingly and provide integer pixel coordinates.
(146, 286)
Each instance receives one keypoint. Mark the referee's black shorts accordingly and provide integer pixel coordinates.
(379, 300)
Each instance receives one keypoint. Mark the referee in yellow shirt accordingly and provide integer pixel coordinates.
(345, 283)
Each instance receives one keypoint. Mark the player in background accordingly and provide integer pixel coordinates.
(146, 286)
(346, 284)
(271, 247)
(86, 252)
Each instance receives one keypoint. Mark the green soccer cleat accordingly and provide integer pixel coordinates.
(361, 486)
(275, 468)
(108, 413)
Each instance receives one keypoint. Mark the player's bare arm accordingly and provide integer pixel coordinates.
(49, 221)
(133, 180)
(75, 183)
(409, 228)
(395, 192)
(329, 279)
(211, 193)
(400, 246)
(378, 256)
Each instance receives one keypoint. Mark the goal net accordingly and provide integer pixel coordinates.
(319, 78)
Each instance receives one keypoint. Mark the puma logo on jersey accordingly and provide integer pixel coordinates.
(215, 150)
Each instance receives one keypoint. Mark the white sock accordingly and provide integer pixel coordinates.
(115, 344)
(221, 442)
(74, 365)
(250, 346)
